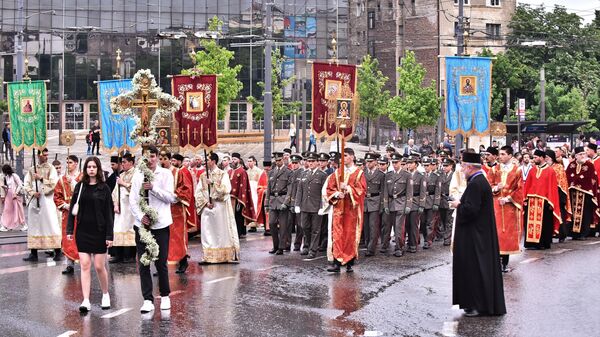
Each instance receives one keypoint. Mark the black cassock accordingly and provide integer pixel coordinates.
(476, 273)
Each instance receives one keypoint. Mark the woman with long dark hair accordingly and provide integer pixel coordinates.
(13, 215)
(94, 228)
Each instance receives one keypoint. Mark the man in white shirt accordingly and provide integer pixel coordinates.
(160, 196)
(526, 165)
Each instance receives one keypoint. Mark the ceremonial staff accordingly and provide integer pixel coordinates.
(37, 189)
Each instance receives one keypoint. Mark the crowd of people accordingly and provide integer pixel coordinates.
(393, 203)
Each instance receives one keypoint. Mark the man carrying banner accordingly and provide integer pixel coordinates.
(542, 216)
(63, 193)
(124, 235)
(347, 195)
(44, 230)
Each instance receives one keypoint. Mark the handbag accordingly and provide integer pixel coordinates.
(75, 209)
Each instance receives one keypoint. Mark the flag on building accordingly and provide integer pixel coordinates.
(197, 116)
(468, 95)
(115, 128)
(27, 111)
(331, 81)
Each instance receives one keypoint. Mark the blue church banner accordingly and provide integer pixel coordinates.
(115, 128)
(468, 95)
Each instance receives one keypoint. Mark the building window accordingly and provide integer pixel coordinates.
(74, 116)
(492, 30)
(371, 20)
(93, 113)
(466, 2)
(493, 3)
(53, 116)
(371, 48)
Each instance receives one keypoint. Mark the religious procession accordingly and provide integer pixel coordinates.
(307, 201)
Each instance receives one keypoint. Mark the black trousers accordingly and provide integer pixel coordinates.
(446, 222)
(239, 220)
(294, 222)
(96, 144)
(162, 239)
(371, 230)
(311, 225)
(278, 221)
(412, 229)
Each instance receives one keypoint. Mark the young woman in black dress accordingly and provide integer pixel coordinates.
(94, 229)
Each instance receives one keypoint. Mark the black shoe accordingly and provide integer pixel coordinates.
(58, 257)
(183, 266)
(505, 268)
(311, 255)
(349, 269)
(267, 233)
(69, 270)
(296, 249)
(334, 269)
(115, 260)
(31, 258)
(426, 245)
(252, 230)
(471, 313)
(369, 254)
(412, 250)
(561, 240)
(287, 249)
(273, 251)
(383, 251)
(304, 252)
(155, 274)
(279, 252)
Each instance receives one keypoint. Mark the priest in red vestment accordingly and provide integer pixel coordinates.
(506, 180)
(63, 193)
(178, 237)
(241, 194)
(583, 190)
(542, 214)
(491, 159)
(191, 218)
(563, 193)
(347, 195)
(592, 153)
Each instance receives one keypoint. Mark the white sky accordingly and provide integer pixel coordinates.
(583, 8)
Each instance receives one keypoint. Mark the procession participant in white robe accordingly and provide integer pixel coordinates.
(44, 229)
(124, 235)
(220, 241)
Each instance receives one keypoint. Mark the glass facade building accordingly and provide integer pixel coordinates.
(81, 36)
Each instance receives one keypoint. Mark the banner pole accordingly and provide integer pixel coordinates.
(37, 189)
(208, 183)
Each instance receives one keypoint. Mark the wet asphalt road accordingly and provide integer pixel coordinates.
(548, 293)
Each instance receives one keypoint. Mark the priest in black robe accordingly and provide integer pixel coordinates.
(477, 285)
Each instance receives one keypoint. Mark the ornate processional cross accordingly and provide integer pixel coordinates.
(145, 103)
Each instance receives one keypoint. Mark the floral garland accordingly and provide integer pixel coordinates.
(167, 104)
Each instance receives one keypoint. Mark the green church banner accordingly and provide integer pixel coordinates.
(27, 109)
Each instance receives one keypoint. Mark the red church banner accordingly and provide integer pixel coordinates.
(331, 82)
(197, 117)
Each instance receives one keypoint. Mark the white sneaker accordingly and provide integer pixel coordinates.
(165, 303)
(147, 307)
(24, 228)
(105, 301)
(3, 229)
(85, 306)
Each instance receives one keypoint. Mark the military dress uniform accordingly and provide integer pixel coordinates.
(446, 213)
(294, 219)
(429, 228)
(373, 203)
(417, 206)
(398, 188)
(308, 203)
(277, 199)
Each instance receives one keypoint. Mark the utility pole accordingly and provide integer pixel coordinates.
(268, 96)
(460, 49)
(543, 99)
(19, 72)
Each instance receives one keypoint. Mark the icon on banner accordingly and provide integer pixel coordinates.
(194, 101)
(468, 85)
(27, 105)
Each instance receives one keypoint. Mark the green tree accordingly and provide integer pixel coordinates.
(417, 105)
(563, 104)
(371, 90)
(3, 106)
(281, 108)
(214, 59)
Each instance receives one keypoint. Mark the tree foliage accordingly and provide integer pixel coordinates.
(214, 59)
(371, 89)
(417, 105)
(281, 108)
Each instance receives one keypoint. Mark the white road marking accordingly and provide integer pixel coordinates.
(116, 313)
(450, 328)
(219, 279)
(373, 333)
(268, 268)
(254, 239)
(316, 258)
(67, 333)
(25, 252)
(560, 251)
(532, 259)
(592, 243)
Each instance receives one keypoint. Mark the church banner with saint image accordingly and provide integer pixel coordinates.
(27, 111)
(331, 82)
(115, 128)
(197, 116)
(468, 95)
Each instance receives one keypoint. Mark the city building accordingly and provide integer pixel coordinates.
(80, 37)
